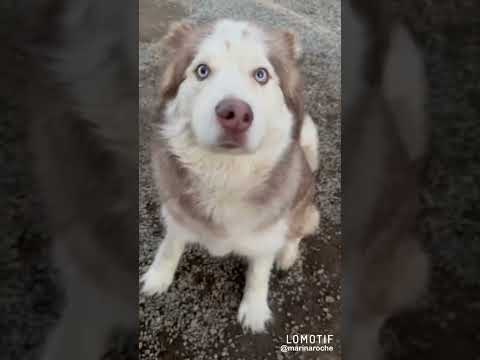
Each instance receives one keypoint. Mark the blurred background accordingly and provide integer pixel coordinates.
(68, 146)
(447, 326)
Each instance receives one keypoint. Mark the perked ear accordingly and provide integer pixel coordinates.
(178, 45)
(293, 44)
(178, 34)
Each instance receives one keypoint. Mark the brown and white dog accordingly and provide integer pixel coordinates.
(233, 154)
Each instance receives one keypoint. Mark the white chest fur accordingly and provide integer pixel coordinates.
(247, 243)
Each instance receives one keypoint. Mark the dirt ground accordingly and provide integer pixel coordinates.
(196, 318)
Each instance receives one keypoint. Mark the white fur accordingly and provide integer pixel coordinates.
(222, 178)
(309, 142)
(288, 254)
(160, 274)
(254, 312)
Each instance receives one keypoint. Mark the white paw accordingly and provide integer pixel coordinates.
(156, 281)
(287, 257)
(254, 315)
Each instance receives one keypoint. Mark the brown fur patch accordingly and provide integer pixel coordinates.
(282, 58)
(181, 45)
(291, 43)
(281, 184)
(174, 184)
(178, 34)
(302, 203)
(292, 181)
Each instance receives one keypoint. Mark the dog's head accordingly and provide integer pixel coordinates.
(232, 86)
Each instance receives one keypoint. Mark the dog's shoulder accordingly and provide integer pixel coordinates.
(306, 184)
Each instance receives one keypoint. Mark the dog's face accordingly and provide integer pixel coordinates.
(232, 86)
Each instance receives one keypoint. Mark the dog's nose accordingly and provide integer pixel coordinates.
(234, 115)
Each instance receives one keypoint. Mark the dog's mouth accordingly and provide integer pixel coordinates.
(231, 148)
(231, 141)
(230, 145)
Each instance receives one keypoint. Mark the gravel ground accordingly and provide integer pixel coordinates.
(196, 318)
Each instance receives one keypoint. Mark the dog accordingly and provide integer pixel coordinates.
(233, 154)
(385, 138)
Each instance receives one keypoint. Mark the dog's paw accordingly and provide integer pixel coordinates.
(287, 257)
(254, 315)
(156, 281)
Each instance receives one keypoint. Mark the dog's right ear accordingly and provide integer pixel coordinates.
(178, 34)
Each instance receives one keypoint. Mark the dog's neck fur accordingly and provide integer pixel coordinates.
(202, 182)
(221, 172)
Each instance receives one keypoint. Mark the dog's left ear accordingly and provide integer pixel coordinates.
(293, 44)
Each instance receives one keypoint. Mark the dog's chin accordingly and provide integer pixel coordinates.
(231, 147)
(228, 144)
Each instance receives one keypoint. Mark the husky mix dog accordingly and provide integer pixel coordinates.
(233, 154)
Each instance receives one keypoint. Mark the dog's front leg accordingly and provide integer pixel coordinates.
(160, 274)
(254, 312)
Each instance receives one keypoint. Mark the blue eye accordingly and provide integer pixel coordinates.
(261, 75)
(202, 71)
